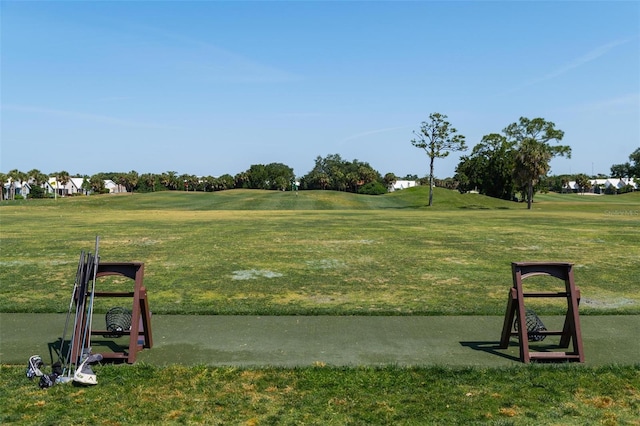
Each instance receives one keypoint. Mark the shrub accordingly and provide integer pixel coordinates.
(373, 188)
(36, 192)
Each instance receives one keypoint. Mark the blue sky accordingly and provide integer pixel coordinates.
(209, 87)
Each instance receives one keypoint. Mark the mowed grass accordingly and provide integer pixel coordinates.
(141, 394)
(323, 252)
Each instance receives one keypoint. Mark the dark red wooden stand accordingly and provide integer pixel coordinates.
(570, 333)
(140, 332)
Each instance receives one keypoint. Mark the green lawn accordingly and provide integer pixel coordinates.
(141, 394)
(240, 252)
(260, 252)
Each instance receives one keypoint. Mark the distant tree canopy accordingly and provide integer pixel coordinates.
(628, 169)
(271, 176)
(533, 152)
(500, 166)
(583, 182)
(334, 173)
(489, 168)
(517, 160)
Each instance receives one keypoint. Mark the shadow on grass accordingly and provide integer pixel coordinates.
(479, 207)
(58, 352)
(492, 348)
(474, 207)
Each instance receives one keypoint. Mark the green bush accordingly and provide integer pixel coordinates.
(626, 188)
(36, 192)
(373, 188)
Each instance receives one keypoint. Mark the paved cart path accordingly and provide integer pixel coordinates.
(289, 341)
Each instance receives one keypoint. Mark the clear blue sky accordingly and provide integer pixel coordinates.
(208, 87)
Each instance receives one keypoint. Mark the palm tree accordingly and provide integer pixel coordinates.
(3, 179)
(583, 182)
(390, 179)
(37, 177)
(96, 183)
(241, 179)
(34, 174)
(533, 152)
(128, 180)
(168, 179)
(149, 180)
(15, 175)
(531, 163)
(63, 178)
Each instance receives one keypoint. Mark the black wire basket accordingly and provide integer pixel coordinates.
(534, 326)
(118, 320)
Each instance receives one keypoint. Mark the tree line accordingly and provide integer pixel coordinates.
(505, 165)
(502, 165)
(329, 173)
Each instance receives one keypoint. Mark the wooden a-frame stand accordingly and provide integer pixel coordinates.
(570, 333)
(140, 332)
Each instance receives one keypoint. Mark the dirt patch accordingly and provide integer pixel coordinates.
(325, 264)
(254, 274)
(607, 304)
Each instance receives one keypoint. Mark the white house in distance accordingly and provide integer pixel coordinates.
(402, 184)
(114, 188)
(598, 184)
(72, 187)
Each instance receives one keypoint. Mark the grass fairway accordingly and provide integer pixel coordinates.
(274, 253)
(257, 252)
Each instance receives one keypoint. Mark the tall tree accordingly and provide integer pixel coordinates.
(583, 182)
(15, 175)
(489, 168)
(169, 179)
(533, 151)
(390, 179)
(241, 180)
(635, 159)
(279, 175)
(258, 177)
(148, 181)
(128, 180)
(37, 177)
(438, 138)
(96, 183)
(226, 181)
(627, 170)
(63, 178)
(621, 170)
(3, 179)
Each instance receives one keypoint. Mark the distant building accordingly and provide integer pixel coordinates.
(114, 188)
(402, 184)
(72, 187)
(600, 185)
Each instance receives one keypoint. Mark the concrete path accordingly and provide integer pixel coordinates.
(289, 341)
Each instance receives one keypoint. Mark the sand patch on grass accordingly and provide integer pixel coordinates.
(254, 274)
(607, 303)
(325, 264)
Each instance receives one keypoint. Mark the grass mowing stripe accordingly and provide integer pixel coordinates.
(337, 262)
